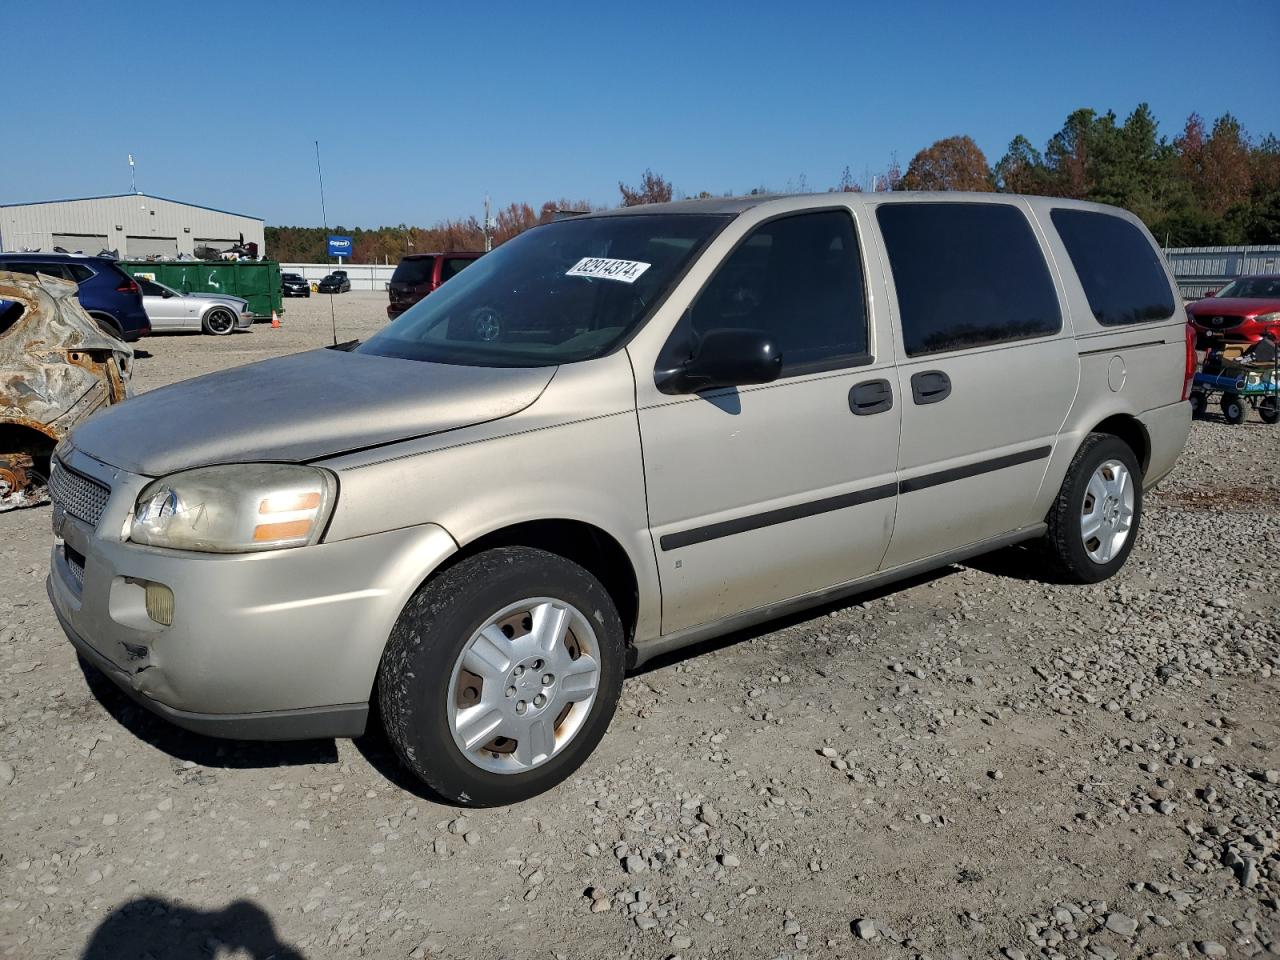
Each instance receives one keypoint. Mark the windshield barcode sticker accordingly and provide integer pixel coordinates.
(628, 271)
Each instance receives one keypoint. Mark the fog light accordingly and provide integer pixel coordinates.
(160, 603)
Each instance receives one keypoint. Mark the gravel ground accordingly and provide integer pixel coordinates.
(974, 764)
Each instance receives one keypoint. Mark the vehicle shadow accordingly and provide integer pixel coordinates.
(378, 752)
(1022, 561)
(163, 930)
(789, 620)
(205, 751)
(141, 354)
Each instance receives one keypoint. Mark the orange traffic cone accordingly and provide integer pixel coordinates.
(275, 320)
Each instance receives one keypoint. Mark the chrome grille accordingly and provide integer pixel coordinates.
(81, 497)
(1220, 323)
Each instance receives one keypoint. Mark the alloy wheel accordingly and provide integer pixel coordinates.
(523, 685)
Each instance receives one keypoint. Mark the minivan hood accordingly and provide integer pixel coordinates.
(299, 408)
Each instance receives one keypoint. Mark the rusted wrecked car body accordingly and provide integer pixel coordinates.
(56, 367)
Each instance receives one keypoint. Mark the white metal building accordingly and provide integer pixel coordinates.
(134, 224)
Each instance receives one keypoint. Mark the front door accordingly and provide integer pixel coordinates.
(987, 369)
(763, 493)
(165, 309)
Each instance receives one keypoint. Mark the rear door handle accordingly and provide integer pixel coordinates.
(870, 396)
(930, 386)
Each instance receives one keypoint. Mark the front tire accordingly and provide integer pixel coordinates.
(219, 322)
(1269, 410)
(1198, 403)
(1094, 520)
(501, 676)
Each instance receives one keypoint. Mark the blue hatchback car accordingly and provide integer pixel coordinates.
(107, 293)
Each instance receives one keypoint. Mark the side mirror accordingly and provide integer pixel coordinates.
(167, 294)
(725, 358)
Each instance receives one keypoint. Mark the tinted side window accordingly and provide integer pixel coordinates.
(149, 289)
(453, 265)
(415, 271)
(798, 279)
(967, 275)
(1117, 266)
(79, 272)
(48, 269)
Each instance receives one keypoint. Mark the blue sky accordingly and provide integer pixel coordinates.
(422, 108)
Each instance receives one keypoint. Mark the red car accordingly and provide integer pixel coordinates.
(1241, 310)
(420, 273)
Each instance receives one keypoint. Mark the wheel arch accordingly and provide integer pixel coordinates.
(591, 547)
(101, 315)
(23, 435)
(1130, 429)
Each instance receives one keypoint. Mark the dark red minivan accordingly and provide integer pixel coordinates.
(420, 273)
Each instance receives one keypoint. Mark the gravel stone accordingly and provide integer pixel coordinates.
(1121, 735)
(1119, 923)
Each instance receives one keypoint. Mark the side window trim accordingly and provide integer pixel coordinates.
(847, 362)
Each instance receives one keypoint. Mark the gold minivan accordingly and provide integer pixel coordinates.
(614, 436)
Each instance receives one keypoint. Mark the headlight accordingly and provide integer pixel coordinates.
(235, 508)
(1268, 317)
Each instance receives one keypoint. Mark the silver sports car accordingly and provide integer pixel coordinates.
(213, 313)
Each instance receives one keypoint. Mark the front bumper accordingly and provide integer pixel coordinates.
(277, 645)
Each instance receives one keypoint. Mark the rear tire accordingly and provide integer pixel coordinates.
(495, 633)
(1094, 521)
(1269, 410)
(1198, 404)
(1233, 409)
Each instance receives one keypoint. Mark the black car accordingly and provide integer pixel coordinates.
(108, 294)
(335, 282)
(293, 285)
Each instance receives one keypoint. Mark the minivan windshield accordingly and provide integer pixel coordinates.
(558, 293)
(1252, 288)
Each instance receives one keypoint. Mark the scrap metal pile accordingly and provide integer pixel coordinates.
(56, 367)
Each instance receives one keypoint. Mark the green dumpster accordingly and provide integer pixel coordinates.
(257, 281)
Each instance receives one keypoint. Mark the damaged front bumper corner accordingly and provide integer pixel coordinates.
(273, 645)
(303, 724)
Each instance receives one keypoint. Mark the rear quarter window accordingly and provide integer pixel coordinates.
(454, 265)
(1118, 267)
(414, 271)
(967, 275)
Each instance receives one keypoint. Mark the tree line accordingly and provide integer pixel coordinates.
(1208, 185)
(389, 244)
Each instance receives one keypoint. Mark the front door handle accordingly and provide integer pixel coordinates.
(930, 386)
(870, 396)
